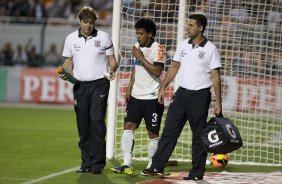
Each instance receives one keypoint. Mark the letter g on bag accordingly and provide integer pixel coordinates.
(213, 137)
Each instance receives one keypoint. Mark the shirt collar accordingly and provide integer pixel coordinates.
(150, 44)
(93, 34)
(202, 44)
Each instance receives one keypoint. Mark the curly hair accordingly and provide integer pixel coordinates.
(147, 24)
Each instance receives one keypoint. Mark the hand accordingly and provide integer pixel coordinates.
(161, 95)
(63, 76)
(137, 53)
(110, 76)
(218, 109)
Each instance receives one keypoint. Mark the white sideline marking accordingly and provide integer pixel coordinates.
(15, 179)
(51, 176)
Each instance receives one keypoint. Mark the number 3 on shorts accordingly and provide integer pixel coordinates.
(155, 117)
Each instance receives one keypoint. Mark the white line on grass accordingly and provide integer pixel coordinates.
(15, 179)
(67, 171)
(51, 176)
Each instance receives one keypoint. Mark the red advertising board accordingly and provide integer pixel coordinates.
(239, 94)
(44, 86)
(252, 95)
(259, 95)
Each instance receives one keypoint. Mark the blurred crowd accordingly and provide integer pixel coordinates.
(28, 56)
(38, 10)
(247, 32)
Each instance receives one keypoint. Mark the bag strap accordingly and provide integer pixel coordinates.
(216, 116)
(220, 115)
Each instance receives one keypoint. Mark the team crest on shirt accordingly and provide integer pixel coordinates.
(97, 43)
(201, 55)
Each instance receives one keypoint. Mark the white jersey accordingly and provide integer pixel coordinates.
(89, 55)
(196, 63)
(146, 85)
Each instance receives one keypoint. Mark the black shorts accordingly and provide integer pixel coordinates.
(150, 110)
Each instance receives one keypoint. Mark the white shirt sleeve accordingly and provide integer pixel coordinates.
(215, 59)
(109, 47)
(67, 48)
(177, 55)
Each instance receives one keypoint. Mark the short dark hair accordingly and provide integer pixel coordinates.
(87, 12)
(201, 20)
(147, 24)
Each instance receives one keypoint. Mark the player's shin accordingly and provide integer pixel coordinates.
(127, 144)
(152, 148)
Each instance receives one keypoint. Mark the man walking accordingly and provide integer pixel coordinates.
(89, 53)
(198, 63)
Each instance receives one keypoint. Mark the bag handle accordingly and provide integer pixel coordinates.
(220, 115)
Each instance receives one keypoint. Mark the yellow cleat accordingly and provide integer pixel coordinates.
(124, 169)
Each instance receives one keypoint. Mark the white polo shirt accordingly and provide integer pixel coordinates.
(146, 85)
(196, 63)
(89, 55)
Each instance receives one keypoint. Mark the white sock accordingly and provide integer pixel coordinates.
(152, 148)
(127, 143)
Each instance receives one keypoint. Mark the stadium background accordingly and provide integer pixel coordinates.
(247, 33)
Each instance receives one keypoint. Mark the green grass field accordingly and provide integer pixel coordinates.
(39, 142)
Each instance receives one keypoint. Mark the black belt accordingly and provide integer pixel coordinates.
(87, 82)
(194, 90)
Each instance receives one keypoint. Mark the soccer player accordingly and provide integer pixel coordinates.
(198, 63)
(142, 93)
(89, 53)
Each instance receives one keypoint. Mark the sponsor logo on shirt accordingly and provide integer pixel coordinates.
(201, 55)
(136, 62)
(183, 53)
(160, 53)
(76, 47)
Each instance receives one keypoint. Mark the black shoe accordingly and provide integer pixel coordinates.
(152, 172)
(193, 178)
(97, 171)
(83, 170)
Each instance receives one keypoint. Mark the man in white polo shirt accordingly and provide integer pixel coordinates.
(89, 55)
(198, 63)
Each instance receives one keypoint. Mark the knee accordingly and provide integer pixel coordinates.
(153, 134)
(82, 144)
(130, 126)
